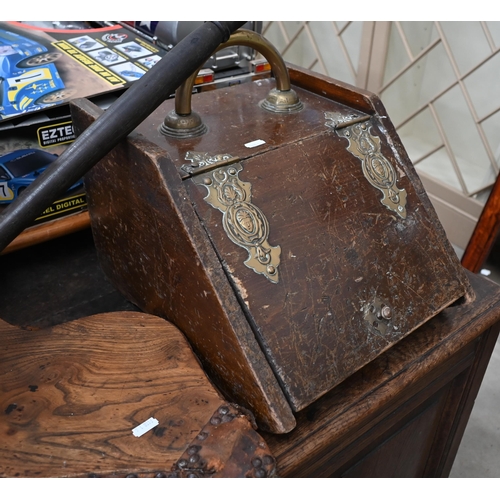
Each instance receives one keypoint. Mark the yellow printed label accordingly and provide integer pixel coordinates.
(70, 204)
(89, 63)
(147, 46)
(59, 133)
(29, 80)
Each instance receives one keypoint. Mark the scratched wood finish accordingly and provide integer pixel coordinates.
(152, 247)
(71, 395)
(341, 248)
(370, 103)
(403, 414)
(234, 118)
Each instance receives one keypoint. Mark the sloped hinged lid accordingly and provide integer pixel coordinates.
(323, 230)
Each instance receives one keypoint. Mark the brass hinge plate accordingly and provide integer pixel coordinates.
(243, 222)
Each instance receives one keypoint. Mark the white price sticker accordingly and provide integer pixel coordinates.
(146, 426)
(254, 144)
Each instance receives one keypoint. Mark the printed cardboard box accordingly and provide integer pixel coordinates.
(25, 152)
(41, 68)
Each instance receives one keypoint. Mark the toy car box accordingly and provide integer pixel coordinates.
(230, 66)
(41, 67)
(25, 152)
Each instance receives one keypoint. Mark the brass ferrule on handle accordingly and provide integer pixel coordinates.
(182, 122)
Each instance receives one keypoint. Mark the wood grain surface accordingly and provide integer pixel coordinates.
(485, 233)
(71, 395)
(49, 230)
(341, 247)
(341, 251)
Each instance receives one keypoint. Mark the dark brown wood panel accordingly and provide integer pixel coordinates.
(234, 118)
(371, 104)
(153, 249)
(451, 350)
(327, 218)
(341, 251)
(404, 453)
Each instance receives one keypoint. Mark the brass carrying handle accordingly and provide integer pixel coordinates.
(183, 122)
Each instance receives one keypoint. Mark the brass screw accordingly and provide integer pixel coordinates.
(386, 312)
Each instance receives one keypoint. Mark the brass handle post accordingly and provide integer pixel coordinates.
(182, 122)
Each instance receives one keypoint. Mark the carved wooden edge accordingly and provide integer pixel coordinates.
(485, 233)
(220, 444)
(332, 89)
(266, 400)
(370, 103)
(330, 424)
(7, 327)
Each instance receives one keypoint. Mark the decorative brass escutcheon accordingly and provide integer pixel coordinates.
(377, 169)
(243, 222)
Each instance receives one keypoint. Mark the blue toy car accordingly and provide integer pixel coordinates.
(131, 74)
(20, 168)
(29, 79)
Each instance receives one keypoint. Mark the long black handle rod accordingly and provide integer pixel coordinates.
(125, 114)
